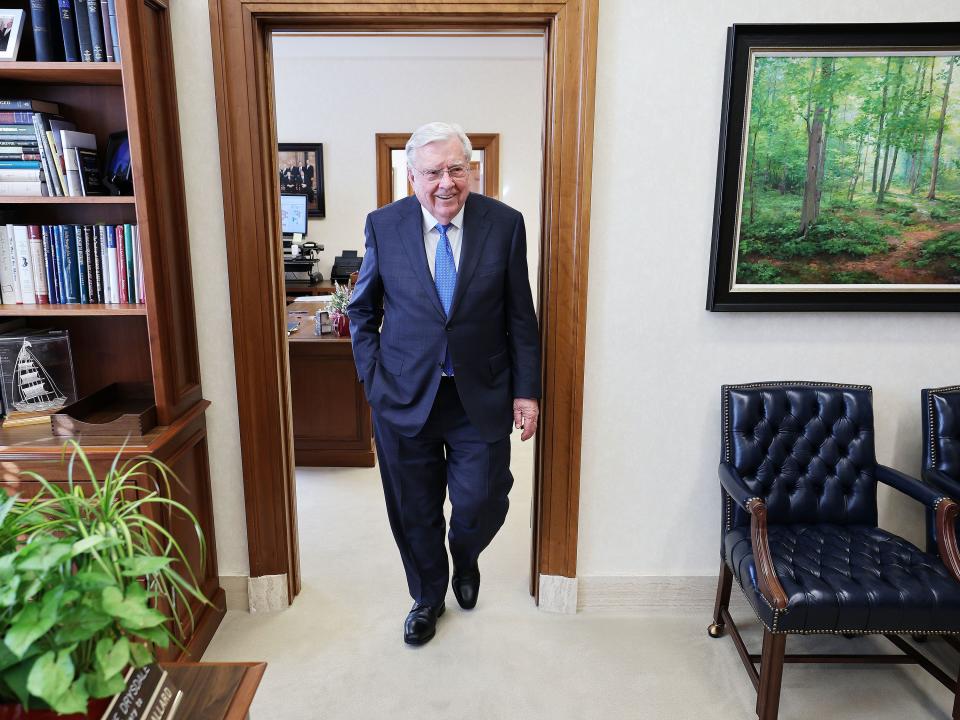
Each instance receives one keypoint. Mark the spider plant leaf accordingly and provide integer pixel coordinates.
(140, 565)
(91, 542)
(112, 656)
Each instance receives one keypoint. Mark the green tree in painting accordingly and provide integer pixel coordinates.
(852, 171)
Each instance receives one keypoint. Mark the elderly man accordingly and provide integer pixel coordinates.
(446, 345)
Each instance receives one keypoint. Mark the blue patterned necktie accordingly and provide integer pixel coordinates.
(445, 277)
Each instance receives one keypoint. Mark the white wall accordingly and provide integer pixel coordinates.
(341, 91)
(655, 357)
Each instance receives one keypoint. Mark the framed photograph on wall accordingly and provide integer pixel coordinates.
(11, 31)
(301, 173)
(838, 181)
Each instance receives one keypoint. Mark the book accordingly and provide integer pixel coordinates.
(121, 266)
(104, 255)
(41, 124)
(40, 16)
(81, 250)
(71, 275)
(9, 287)
(114, 34)
(105, 24)
(111, 255)
(56, 125)
(128, 260)
(13, 164)
(40, 292)
(74, 139)
(93, 251)
(89, 168)
(96, 31)
(28, 188)
(16, 117)
(21, 174)
(141, 291)
(143, 686)
(46, 232)
(58, 263)
(33, 105)
(24, 269)
(17, 129)
(68, 29)
(83, 30)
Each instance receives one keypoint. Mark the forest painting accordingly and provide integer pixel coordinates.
(850, 173)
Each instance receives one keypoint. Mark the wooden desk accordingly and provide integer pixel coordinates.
(216, 691)
(332, 426)
(296, 288)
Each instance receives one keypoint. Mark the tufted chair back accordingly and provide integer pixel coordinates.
(941, 431)
(805, 448)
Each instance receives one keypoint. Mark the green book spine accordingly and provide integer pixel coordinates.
(128, 251)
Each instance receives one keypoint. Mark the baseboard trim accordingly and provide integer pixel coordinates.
(237, 592)
(643, 593)
(558, 594)
(267, 593)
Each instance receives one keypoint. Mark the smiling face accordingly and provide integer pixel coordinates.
(444, 196)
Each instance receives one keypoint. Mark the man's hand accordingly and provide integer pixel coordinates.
(525, 414)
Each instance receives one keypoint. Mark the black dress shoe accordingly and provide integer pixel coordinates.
(466, 587)
(421, 623)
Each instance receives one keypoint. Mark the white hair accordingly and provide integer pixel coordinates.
(437, 132)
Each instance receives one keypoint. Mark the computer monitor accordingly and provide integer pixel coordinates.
(293, 214)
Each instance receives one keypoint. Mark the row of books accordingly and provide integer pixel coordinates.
(58, 264)
(75, 30)
(43, 154)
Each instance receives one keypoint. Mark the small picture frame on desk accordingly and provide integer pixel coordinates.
(11, 31)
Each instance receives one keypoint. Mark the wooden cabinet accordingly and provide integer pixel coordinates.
(154, 342)
(331, 419)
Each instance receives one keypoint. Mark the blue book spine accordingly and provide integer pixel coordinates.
(71, 50)
(96, 31)
(105, 26)
(81, 263)
(16, 117)
(83, 30)
(14, 164)
(42, 40)
(58, 265)
(114, 33)
(70, 264)
(47, 264)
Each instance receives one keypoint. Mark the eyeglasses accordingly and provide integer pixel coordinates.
(456, 172)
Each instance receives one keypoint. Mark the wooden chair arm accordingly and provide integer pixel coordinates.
(766, 575)
(947, 511)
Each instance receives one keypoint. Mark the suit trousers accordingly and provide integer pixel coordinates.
(448, 452)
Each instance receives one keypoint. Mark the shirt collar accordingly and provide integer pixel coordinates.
(430, 222)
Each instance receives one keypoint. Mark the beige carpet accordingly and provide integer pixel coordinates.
(338, 652)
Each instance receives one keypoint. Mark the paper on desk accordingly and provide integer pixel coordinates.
(313, 298)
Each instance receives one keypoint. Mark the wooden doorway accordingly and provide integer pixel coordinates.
(243, 76)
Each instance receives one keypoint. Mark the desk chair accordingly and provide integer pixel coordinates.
(798, 479)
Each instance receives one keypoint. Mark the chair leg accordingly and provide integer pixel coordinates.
(723, 600)
(771, 672)
(956, 701)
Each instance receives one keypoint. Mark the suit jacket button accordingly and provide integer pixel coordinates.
(449, 328)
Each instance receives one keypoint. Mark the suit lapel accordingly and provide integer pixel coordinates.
(475, 229)
(411, 237)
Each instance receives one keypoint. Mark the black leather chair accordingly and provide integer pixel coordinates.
(940, 408)
(798, 480)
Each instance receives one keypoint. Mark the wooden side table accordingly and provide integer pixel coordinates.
(216, 691)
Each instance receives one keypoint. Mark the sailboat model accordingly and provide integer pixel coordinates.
(33, 388)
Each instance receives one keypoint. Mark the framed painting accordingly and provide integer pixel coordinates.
(301, 172)
(838, 182)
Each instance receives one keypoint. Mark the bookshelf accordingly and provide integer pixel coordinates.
(154, 342)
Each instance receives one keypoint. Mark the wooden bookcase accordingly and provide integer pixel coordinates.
(155, 342)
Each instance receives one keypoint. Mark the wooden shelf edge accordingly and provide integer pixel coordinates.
(79, 73)
(60, 200)
(73, 309)
(148, 444)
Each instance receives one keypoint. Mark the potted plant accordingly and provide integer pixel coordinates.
(86, 575)
(339, 302)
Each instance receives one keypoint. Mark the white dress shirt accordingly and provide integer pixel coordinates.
(431, 238)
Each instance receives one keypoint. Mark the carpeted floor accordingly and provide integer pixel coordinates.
(338, 651)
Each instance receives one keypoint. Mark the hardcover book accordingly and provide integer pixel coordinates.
(40, 16)
(71, 50)
(89, 169)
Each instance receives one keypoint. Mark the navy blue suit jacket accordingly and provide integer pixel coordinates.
(492, 329)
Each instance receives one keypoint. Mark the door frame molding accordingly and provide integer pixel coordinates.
(242, 62)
